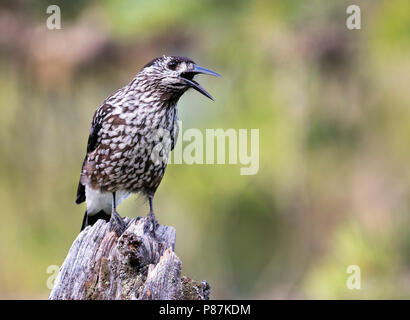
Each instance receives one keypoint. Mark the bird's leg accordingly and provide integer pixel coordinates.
(151, 216)
(116, 222)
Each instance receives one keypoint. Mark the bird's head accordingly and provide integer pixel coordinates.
(174, 74)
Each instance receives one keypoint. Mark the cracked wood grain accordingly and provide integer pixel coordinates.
(135, 265)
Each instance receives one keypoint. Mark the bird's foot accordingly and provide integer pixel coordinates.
(153, 224)
(117, 224)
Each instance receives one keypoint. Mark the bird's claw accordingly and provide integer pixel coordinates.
(152, 224)
(117, 224)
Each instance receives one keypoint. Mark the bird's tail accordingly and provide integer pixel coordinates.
(90, 220)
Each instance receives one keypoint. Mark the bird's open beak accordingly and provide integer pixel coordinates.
(188, 76)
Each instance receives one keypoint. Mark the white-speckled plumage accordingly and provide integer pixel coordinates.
(126, 130)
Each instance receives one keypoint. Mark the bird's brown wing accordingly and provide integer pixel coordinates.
(92, 144)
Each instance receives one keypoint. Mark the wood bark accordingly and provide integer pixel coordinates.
(134, 265)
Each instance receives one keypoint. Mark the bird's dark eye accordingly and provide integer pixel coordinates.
(172, 65)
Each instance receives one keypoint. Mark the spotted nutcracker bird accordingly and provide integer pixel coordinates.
(131, 135)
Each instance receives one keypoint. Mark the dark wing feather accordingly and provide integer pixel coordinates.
(92, 144)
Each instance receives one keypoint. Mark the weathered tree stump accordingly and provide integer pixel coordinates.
(134, 265)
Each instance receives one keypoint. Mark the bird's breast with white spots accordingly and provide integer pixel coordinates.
(133, 149)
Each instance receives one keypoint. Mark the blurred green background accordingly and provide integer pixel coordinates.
(331, 104)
